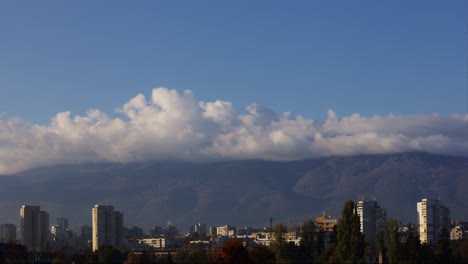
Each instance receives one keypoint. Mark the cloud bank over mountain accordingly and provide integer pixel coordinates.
(173, 125)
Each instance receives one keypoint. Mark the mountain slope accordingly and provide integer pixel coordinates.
(238, 192)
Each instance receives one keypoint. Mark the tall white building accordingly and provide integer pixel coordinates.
(7, 233)
(372, 219)
(433, 217)
(34, 227)
(107, 226)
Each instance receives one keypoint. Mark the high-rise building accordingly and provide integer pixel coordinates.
(199, 228)
(372, 219)
(34, 227)
(433, 217)
(7, 233)
(61, 236)
(44, 232)
(62, 223)
(107, 226)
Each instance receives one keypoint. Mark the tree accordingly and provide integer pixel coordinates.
(442, 249)
(308, 236)
(137, 259)
(462, 251)
(327, 253)
(350, 247)
(411, 250)
(197, 254)
(108, 254)
(262, 255)
(278, 233)
(169, 259)
(233, 251)
(392, 241)
(279, 245)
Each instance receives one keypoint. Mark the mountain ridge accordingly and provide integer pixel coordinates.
(241, 192)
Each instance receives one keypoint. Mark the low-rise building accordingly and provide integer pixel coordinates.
(226, 230)
(160, 243)
(459, 231)
(325, 224)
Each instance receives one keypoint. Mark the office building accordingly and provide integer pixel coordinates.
(34, 225)
(433, 217)
(7, 233)
(372, 219)
(62, 223)
(61, 236)
(107, 227)
(199, 228)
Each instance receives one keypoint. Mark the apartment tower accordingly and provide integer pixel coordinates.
(107, 226)
(34, 227)
(372, 219)
(433, 217)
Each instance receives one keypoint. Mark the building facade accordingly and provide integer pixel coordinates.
(107, 227)
(325, 224)
(61, 236)
(433, 217)
(226, 230)
(7, 233)
(34, 227)
(372, 219)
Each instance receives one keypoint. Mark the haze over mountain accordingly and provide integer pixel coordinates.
(245, 192)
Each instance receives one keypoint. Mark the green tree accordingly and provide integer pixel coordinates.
(411, 250)
(108, 254)
(198, 254)
(443, 249)
(350, 247)
(279, 245)
(308, 237)
(262, 255)
(327, 253)
(278, 234)
(169, 259)
(461, 251)
(141, 258)
(392, 242)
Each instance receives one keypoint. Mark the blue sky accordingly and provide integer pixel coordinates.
(304, 57)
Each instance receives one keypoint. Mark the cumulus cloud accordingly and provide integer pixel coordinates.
(173, 125)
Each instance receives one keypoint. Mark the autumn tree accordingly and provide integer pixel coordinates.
(233, 251)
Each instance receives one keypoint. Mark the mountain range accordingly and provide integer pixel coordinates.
(241, 193)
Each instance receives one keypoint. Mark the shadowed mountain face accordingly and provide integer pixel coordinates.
(238, 192)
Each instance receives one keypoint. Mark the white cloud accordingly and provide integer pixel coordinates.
(174, 125)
